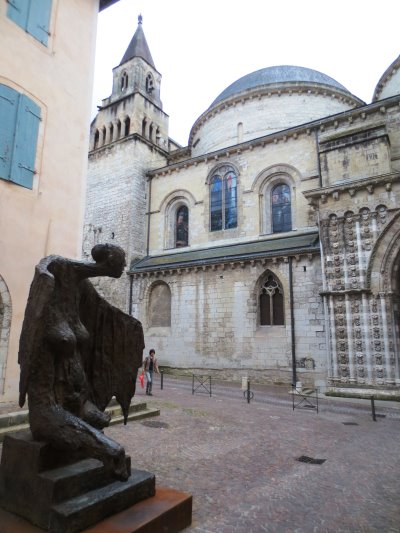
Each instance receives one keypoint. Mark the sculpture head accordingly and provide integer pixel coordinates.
(111, 258)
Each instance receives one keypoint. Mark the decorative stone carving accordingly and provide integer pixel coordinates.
(378, 346)
(342, 346)
(340, 320)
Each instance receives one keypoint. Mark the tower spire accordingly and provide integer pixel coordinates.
(138, 46)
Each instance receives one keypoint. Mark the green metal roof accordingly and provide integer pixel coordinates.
(263, 248)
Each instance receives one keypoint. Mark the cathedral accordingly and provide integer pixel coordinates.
(268, 246)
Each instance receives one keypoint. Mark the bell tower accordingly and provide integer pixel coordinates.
(134, 106)
(129, 137)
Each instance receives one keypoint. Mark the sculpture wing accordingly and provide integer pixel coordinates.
(114, 352)
(40, 294)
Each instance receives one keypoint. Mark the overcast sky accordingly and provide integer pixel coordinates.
(202, 46)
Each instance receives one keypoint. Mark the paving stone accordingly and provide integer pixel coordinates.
(239, 460)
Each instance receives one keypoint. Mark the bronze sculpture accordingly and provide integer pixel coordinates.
(76, 352)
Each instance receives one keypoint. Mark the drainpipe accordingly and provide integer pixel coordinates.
(318, 158)
(294, 375)
(130, 294)
(148, 219)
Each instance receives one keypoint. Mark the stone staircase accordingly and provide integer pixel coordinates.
(18, 421)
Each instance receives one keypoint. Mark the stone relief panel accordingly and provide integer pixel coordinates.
(348, 241)
(363, 346)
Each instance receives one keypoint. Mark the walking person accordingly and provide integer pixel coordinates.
(150, 365)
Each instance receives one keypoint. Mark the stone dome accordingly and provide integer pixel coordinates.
(266, 101)
(389, 84)
(278, 75)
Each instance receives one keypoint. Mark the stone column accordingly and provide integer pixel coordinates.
(349, 323)
(388, 367)
(366, 327)
(333, 363)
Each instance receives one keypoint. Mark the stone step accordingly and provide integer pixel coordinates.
(13, 422)
(145, 413)
(70, 481)
(77, 513)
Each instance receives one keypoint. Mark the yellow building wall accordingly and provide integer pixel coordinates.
(47, 219)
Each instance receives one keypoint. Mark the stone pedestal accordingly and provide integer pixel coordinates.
(37, 484)
(169, 511)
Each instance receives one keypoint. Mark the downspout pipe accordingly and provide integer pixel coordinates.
(148, 218)
(130, 294)
(292, 325)
(318, 157)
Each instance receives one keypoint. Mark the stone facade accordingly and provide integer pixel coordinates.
(49, 63)
(215, 319)
(302, 290)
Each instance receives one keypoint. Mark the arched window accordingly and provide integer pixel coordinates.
(160, 306)
(118, 129)
(151, 132)
(124, 81)
(281, 208)
(127, 125)
(149, 83)
(144, 127)
(104, 134)
(111, 132)
(182, 227)
(96, 139)
(223, 199)
(271, 303)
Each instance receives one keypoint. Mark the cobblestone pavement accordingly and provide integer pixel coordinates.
(239, 460)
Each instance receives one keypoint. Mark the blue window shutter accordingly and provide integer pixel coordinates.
(9, 100)
(39, 20)
(25, 143)
(18, 12)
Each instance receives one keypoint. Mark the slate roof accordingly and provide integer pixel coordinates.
(105, 3)
(235, 252)
(277, 74)
(138, 47)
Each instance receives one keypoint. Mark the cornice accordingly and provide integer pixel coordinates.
(221, 265)
(126, 97)
(132, 136)
(345, 118)
(351, 188)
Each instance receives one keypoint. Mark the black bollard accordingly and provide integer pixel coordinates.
(373, 408)
(162, 379)
(247, 393)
